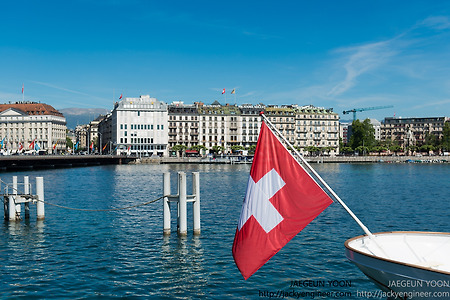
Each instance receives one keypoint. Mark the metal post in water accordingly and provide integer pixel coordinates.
(182, 204)
(26, 191)
(15, 197)
(196, 204)
(166, 204)
(40, 193)
(12, 208)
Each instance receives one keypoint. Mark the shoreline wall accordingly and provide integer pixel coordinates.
(318, 159)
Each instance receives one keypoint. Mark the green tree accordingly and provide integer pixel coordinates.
(362, 150)
(426, 148)
(395, 148)
(431, 139)
(328, 149)
(312, 150)
(236, 148)
(217, 149)
(198, 148)
(251, 149)
(179, 149)
(363, 134)
(445, 142)
(346, 150)
(69, 143)
(379, 149)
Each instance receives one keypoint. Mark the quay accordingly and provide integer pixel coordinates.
(29, 162)
(316, 159)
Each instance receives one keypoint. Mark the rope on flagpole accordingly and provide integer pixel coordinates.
(316, 175)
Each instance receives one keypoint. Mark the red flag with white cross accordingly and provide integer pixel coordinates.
(281, 199)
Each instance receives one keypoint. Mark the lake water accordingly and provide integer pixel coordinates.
(75, 254)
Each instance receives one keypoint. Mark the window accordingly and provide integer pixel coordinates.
(162, 127)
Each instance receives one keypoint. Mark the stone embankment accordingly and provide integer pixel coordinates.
(318, 159)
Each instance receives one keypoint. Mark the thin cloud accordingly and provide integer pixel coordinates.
(69, 90)
(430, 104)
(360, 60)
(61, 88)
(436, 22)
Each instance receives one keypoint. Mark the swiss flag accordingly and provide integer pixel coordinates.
(120, 96)
(281, 200)
(223, 92)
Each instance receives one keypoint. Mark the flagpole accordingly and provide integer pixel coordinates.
(364, 228)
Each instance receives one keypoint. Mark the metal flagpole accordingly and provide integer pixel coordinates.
(366, 230)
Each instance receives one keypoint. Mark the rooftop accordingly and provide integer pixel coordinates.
(32, 108)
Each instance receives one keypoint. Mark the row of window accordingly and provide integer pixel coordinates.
(142, 127)
(147, 147)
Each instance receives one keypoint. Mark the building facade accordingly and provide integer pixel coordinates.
(232, 125)
(407, 132)
(145, 126)
(136, 126)
(32, 125)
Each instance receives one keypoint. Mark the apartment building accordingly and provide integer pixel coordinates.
(183, 124)
(232, 125)
(251, 123)
(22, 123)
(411, 131)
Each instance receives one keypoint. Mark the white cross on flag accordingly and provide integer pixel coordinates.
(281, 200)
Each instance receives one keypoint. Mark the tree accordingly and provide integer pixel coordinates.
(69, 143)
(426, 148)
(236, 148)
(251, 149)
(346, 150)
(328, 149)
(179, 148)
(431, 139)
(445, 142)
(198, 148)
(394, 148)
(312, 149)
(363, 134)
(362, 150)
(217, 149)
(379, 149)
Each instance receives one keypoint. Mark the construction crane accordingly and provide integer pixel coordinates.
(364, 109)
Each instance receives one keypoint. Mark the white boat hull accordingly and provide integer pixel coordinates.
(405, 264)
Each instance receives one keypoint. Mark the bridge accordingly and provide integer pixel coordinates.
(29, 162)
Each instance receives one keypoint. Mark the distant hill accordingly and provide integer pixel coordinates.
(79, 116)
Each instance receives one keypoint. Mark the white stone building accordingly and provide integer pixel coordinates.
(139, 126)
(21, 123)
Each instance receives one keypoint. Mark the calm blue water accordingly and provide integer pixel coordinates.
(74, 254)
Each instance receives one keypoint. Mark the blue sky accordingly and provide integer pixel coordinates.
(333, 54)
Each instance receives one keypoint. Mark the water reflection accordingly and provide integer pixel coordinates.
(183, 264)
